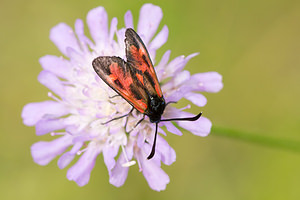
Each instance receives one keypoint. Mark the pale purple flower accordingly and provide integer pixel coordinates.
(82, 102)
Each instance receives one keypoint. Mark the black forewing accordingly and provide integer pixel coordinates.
(138, 58)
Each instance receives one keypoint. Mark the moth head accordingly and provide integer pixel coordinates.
(156, 109)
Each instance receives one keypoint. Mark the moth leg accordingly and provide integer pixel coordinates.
(117, 95)
(137, 123)
(119, 117)
(127, 119)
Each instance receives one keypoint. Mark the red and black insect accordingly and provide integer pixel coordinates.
(136, 81)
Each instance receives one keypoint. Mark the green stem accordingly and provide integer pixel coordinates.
(260, 139)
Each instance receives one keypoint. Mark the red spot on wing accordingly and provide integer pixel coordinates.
(141, 64)
(138, 57)
(120, 77)
(142, 51)
(142, 104)
(113, 77)
(158, 90)
(140, 77)
(115, 69)
(127, 82)
(118, 73)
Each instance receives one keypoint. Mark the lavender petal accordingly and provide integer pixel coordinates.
(43, 152)
(196, 98)
(81, 171)
(83, 39)
(52, 82)
(128, 19)
(150, 17)
(97, 21)
(67, 157)
(177, 64)
(160, 68)
(34, 112)
(171, 128)
(56, 65)
(155, 176)
(201, 127)
(118, 174)
(63, 37)
(113, 29)
(160, 39)
(208, 82)
(109, 154)
(45, 126)
(168, 155)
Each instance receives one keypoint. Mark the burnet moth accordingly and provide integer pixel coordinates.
(136, 81)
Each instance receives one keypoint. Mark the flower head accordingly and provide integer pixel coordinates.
(82, 103)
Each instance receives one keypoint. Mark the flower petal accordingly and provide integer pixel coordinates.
(121, 37)
(157, 42)
(45, 126)
(34, 112)
(52, 82)
(56, 65)
(63, 37)
(164, 60)
(109, 154)
(171, 128)
(201, 127)
(147, 148)
(180, 78)
(177, 64)
(168, 155)
(150, 16)
(113, 29)
(119, 173)
(43, 152)
(81, 171)
(208, 82)
(67, 157)
(97, 21)
(177, 87)
(83, 39)
(128, 19)
(155, 176)
(196, 98)
(160, 39)
(160, 68)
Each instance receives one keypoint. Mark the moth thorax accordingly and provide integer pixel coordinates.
(156, 108)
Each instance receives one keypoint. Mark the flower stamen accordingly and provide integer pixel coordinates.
(127, 163)
(51, 95)
(186, 107)
(57, 133)
(81, 151)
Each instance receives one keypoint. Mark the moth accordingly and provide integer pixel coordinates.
(136, 81)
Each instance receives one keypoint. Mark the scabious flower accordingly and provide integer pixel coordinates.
(81, 102)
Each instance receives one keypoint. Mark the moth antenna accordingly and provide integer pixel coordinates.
(171, 102)
(184, 119)
(154, 144)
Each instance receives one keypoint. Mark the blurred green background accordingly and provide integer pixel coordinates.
(254, 44)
